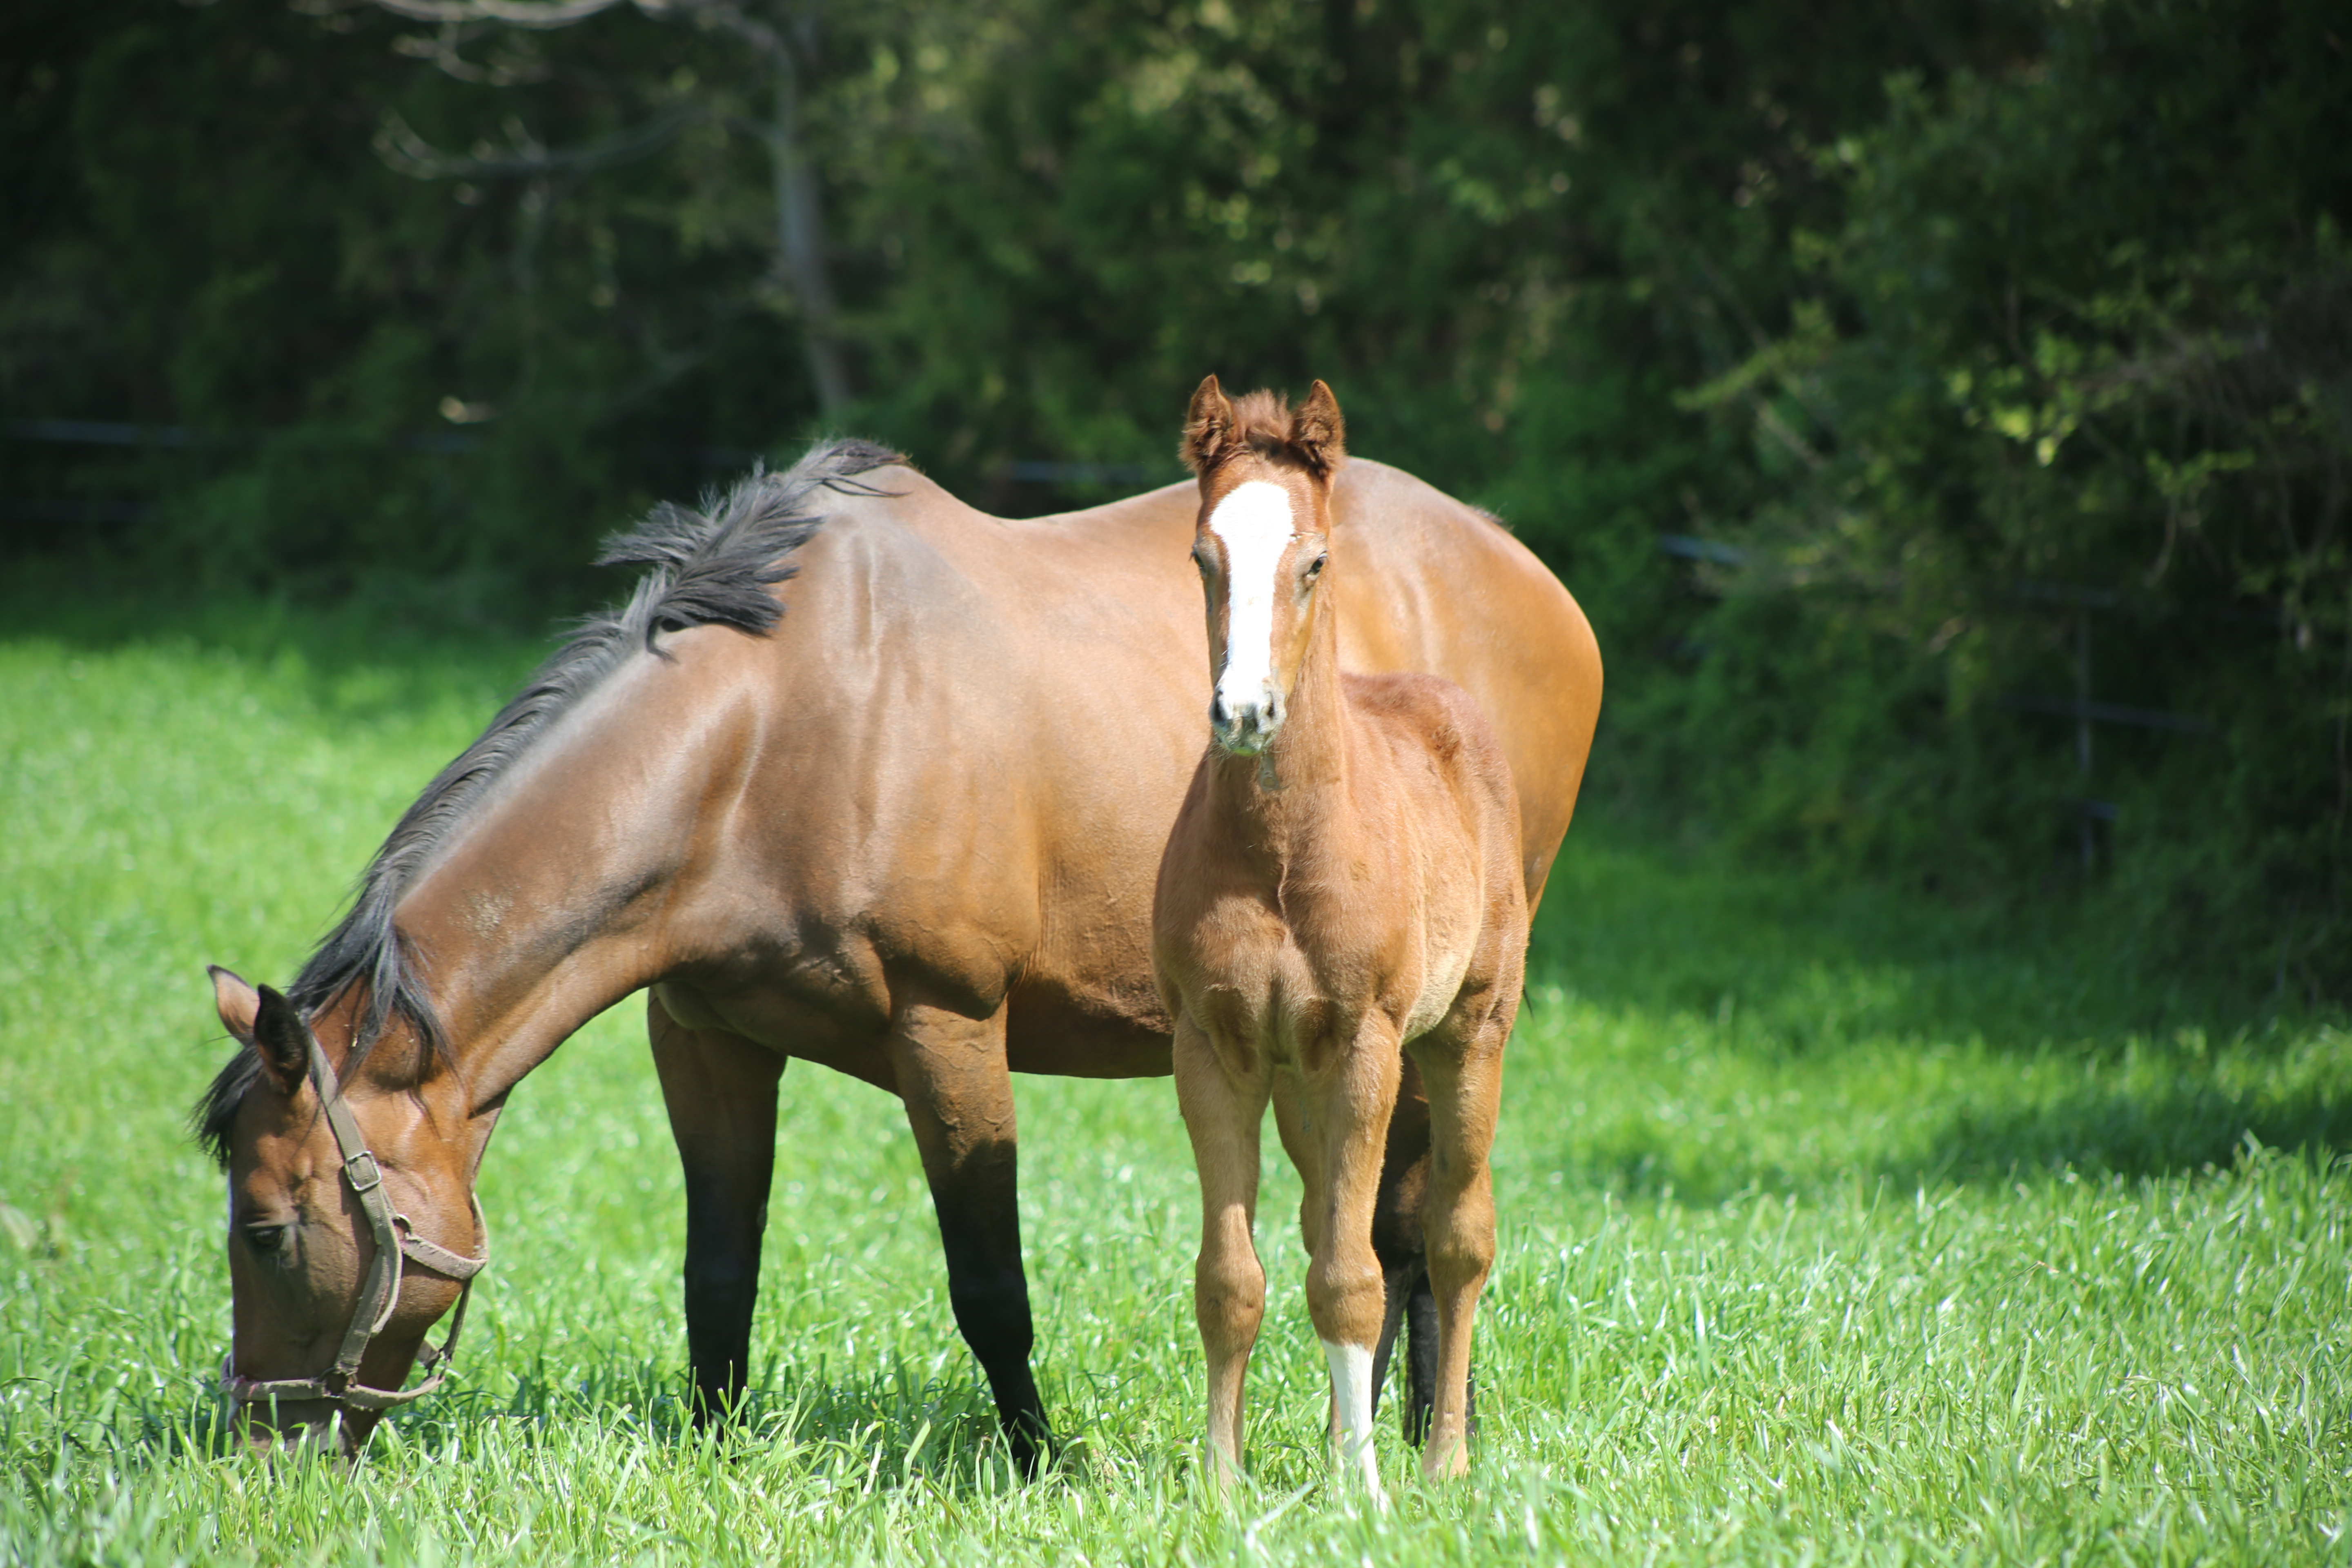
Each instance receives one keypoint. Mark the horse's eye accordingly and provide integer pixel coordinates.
(1315, 567)
(265, 1238)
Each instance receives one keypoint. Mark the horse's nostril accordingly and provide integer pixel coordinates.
(1217, 714)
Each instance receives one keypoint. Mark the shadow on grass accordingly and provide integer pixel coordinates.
(353, 660)
(1790, 963)
(895, 1424)
(2180, 1129)
(2170, 1131)
(877, 1433)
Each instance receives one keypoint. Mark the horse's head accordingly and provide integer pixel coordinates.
(333, 1189)
(1262, 543)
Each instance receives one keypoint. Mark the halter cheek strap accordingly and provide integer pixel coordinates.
(394, 1240)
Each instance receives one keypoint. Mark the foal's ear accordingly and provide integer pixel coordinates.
(283, 1040)
(1318, 433)
(1208, 426)
(238, 1002)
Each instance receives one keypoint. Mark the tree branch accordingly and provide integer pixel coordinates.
(787, 46)
(401, 148)
(444, 48)
(513, 13)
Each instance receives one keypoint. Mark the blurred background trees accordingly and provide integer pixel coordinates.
(1943, 410)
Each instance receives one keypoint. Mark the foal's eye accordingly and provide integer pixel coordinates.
(1315, 567)
(265, 1238)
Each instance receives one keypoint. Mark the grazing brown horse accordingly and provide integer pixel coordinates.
(1341, 892)
(899, 815)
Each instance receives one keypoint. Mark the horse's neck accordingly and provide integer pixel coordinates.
(556, 897)
(1292, 797)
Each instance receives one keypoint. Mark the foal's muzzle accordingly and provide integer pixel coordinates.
(1246, 728)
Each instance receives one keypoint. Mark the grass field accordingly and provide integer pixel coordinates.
(1835, 1226)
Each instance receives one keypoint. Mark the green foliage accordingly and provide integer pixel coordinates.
(2069, 392)
(1938, 327)
(1834, 1230)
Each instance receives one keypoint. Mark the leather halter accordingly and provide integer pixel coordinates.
(339, 1383)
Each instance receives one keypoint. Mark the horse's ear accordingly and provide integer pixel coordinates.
(283, 1040)
(1317, 432)
(1208, 426)
(237, 1003)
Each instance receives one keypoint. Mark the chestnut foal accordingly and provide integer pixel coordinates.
(1341, 888)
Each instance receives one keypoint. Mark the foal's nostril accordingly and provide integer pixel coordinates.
(1217, 714)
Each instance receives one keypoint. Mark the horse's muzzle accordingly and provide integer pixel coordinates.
(313, 1426)
(1245, 728)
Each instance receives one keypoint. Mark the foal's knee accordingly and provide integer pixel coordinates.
(1348, 1297)
(1229, 1299)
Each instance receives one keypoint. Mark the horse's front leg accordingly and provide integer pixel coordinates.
(720, 1091)
(1353, 1100)
(951, 1074)
(1221, 1109)
(1292, 1121)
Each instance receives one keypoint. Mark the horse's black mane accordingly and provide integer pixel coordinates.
(713, 567)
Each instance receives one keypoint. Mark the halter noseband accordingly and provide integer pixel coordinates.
(394, 1241)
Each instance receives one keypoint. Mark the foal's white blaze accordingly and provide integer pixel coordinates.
(1351, 1391)
(1255, 522)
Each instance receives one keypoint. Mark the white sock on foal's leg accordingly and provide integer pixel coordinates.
(1351, 1391)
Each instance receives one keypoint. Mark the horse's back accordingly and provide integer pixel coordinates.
(1437, 586)
(1446, 590)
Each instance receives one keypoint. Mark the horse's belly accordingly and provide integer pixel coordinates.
(1087, 1032)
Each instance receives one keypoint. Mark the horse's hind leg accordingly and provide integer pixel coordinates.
(1398, 1242)
(1420, 1366)
(1221, 1112)
(951, 1073)
(1465, 1096)
(720, 1091)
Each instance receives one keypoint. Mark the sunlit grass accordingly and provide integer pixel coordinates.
(1834, 1226)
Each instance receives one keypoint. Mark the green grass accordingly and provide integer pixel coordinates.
(1835, 1226)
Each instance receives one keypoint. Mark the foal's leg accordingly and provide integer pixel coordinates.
(1292, 1121)
(720, 1091)
(1465, 1096)
(1221, 1112)
(959, 1095)
(1346, 1294)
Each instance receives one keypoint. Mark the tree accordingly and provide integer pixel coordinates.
(784, 41)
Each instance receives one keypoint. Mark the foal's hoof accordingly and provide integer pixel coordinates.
(1445, 1461)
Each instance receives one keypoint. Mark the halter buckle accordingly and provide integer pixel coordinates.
(351, 1172)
